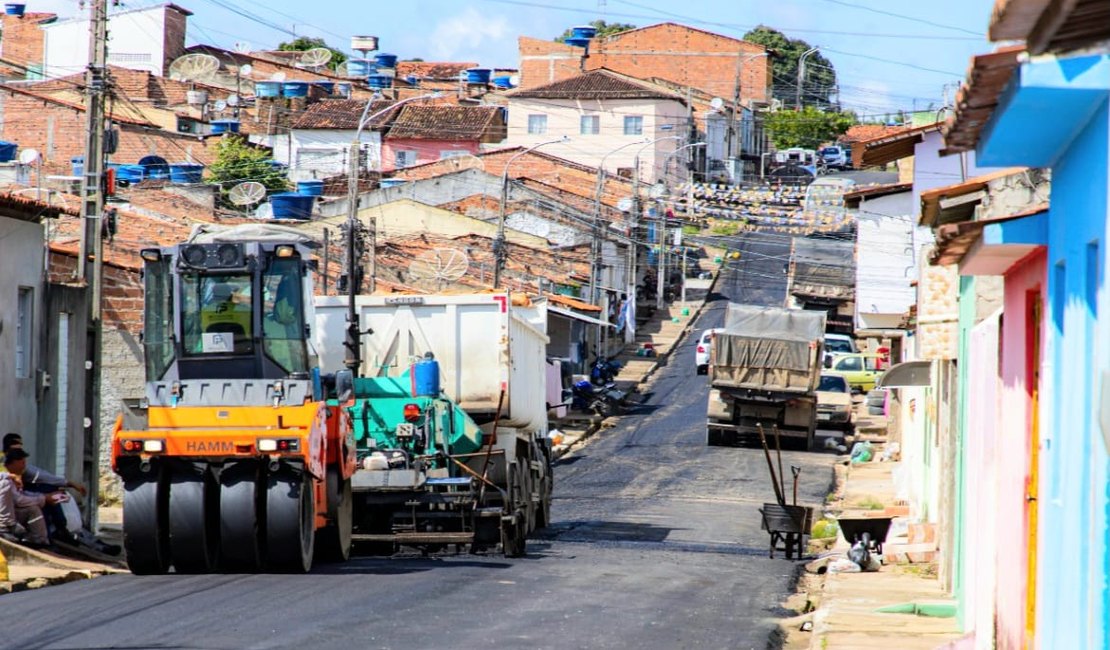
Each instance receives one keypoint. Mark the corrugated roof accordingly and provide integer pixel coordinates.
(987, 77)
(597, 84)
(888, 148)
(465, 123)
(341, 114)
(1051, 25)
(930, 200)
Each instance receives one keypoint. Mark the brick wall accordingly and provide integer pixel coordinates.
(173, 36)
(22, 40)
(677, 53)
(479, 206)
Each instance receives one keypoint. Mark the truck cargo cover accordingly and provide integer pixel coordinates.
(768, 348)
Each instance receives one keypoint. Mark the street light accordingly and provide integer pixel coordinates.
(801, 76)
(353, 354)
(499, 241)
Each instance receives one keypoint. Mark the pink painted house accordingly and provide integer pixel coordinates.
(427, 133)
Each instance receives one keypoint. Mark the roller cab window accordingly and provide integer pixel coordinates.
(283, 323)
(217, 314)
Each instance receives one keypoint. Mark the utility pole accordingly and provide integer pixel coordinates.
(352, 358)
(596, 248)
(633, 226)
(89, 266)
(802, 76)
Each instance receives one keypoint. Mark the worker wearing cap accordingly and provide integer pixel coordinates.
(36, 478)
(21, 517)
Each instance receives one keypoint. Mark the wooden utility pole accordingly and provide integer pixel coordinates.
(89, 266)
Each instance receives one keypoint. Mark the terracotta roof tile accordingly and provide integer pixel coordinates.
(341, 114)
(433, 122)
(439, 70)
(598, 84)
(861, 132)
(987, 77)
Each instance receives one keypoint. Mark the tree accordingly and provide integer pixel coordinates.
(819, 84)
(603, 29)
(808, 128)
(237, 161)
(303, 43)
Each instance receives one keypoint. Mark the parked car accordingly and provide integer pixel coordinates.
(860, 369)
(836, 157)
(701, 353)
(838, 344)
(834, 402)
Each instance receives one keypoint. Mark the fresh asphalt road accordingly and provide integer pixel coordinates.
(655, 544)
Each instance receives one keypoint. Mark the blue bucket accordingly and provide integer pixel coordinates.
(225, 126)
(310, 188)
(14, 9)
(130, 173)
(7, 151)
(425, 378)
(78, 163)
(290, 205)
(478, 75)
(385, 60)
(186, 173)
(294, 89)
(267, 89)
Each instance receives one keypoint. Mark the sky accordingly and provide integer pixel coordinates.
(888, 56)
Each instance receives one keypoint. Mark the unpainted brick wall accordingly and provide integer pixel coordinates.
(22, 39)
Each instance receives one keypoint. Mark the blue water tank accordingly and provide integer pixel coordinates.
(385, 60)
(343, 90)
(267, 89)
(156, 167)
(294, 89)
(7, 151)
(360, 68)
(186, 173)
(391, 182)
(130, 173)
(578, 42)
(379, 81)
(425, 378)
(78, 163)
(14, 9)
(290, 205)
(478, 75)
(225, 126)
(326, 86)
(502, 82)
(310, 188)
(583, 31)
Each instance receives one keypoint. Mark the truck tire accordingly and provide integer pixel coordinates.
(194, 524)
(145, 526)
(714, 437)
(240, 523)
(334, 540)
(290, 521)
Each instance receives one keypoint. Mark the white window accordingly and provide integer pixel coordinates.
(25, 310)
(453, 153)
(633, 125)
(404, 159)
(590, 125)
(537, 124)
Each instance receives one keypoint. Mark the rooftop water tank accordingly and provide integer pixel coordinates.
(155, 167)
(186, 173)
(130, 174)
(7, 151)
(502, 82)
(478, 76)
(310, 188)
(343, 89)
(14, 9)
(267, 89)
(326, 86)
(290, 205)
(385, 60)
(578, 42)
(377, 81)
(583, 31)
(364, 43)
(360, 68)
(391, 182)
(224, 126)
(294, 89)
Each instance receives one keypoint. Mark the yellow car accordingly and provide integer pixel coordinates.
(861, 369)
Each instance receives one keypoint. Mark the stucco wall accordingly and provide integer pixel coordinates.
(21, 259)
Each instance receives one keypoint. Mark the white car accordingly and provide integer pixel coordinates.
(701, 353)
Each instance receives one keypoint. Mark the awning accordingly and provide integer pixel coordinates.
(576, 316)
(907, 375)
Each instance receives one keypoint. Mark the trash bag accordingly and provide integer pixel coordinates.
(843, 565)
(73, 516)
(861, 452)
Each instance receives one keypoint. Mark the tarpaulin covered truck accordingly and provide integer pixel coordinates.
(764, 369)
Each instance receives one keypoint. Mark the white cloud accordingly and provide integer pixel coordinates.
(468, 35)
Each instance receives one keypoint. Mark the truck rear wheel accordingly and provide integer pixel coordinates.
(713, 437)
(145, 539)
(240, 520)
(334, 544)
(290, 521)
(194, 519)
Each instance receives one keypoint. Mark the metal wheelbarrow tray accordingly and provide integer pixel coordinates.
(869, 530)
(788, 525)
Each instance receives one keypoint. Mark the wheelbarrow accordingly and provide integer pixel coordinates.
(869, 530)
(788, 525)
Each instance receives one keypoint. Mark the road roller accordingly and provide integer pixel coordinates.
(239, 458)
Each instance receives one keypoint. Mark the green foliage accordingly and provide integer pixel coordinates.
(808, 128)
(303, 43)
(237, 161)
(819, 84)
(603, 29)
(725, 228)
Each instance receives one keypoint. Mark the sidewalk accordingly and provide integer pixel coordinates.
(902, 605)
(34, 569)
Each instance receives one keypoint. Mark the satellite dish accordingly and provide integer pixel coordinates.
(717, 103)
(242, 47)
(245, 70)
(194, 67)
(28, 156)
(316, 57)
(233, 100)
(220, 105)
(442, 265)
(247, 193)
(514, 80)
(277, 76)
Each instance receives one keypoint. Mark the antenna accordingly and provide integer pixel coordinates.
(317, 57)
(28, 156)
(247, 193)
(219, 106)
(245, 70)
(194, 67)
(233, 100)
(717, 103)
(242, 47)
(442, 265)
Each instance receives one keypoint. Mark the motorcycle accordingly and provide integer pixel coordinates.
(603, 374)
(584, 397)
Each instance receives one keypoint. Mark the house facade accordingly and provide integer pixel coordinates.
(422, 134)
(148, 38)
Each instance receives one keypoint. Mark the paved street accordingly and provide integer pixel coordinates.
(655, 544)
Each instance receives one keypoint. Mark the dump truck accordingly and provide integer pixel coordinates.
(764, 370)
(449, 415)
(234, 459)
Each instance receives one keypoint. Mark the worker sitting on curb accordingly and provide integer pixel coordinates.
(21, 518)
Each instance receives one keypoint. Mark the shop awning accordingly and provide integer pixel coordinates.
(907, 375)
(576, 316)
